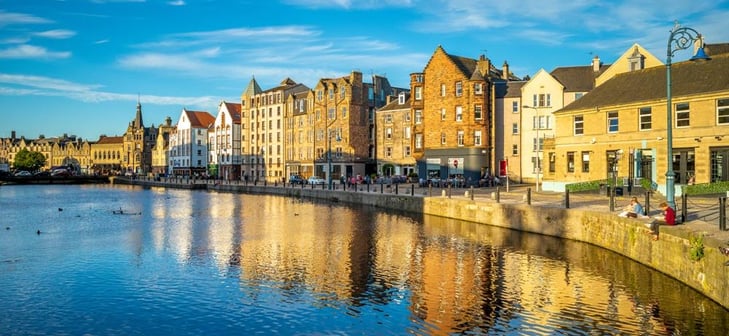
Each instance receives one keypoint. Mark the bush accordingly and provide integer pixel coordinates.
(585, 186)
(706, 188)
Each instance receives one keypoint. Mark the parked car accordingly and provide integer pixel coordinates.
(296, 179)
(316, 180)
(60, 172)
(23, 173)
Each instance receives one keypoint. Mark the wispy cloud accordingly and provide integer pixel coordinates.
(176, 3)
(29, 85)
(350, 4)
(102, 41)
(27, 51)
(56, 34)
(8, 18)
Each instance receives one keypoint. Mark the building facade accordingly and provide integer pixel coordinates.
(188, 154)
(107, 155)
(224, 143)
(394, 137)
(619, 129)
(138, 143)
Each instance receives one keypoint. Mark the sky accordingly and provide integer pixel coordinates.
(78, 67)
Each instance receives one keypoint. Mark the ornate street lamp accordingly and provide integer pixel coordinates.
(681, 38)
(616, 158)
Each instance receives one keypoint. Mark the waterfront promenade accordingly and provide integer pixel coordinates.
(588, 219)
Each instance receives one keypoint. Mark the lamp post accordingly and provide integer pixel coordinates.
(680, 38)
(537, 126)
(329, 157)
(618, 154)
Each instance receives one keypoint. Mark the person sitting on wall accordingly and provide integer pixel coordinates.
(632, 210)
(667, 218)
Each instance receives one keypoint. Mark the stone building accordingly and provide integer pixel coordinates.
(138, 143)
(452, 109)
(224, 143)
(394, 137)
(107, 155)
(619, 129)
(160, 151)
(68, 151)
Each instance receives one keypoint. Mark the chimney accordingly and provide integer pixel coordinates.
(484, 66)
(505, 71)
(596, 63)
(12, 135)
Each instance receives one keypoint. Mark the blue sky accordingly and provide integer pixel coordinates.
(79, 66)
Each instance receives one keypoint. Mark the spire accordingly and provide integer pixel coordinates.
(138, 123)
(252, 89)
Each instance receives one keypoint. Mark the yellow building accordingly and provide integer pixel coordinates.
(106, 155)
(394, 137)
(620, 128)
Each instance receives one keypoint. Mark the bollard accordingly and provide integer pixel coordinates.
(396, 188)
(368, 187)
(472, 193)
(684, 207)
(498, 194)
(382, 188)
(566, 198)
(529, 196)
(647, 207)
(722, 213)
(430, 190)
(449, 191)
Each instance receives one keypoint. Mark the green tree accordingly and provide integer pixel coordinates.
(30, 161)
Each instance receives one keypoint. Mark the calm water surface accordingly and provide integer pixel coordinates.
(181, 262)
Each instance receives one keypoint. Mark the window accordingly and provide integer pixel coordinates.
(514, 149)
(570, 162)
(388, 118)
(442, 138)
(418, 117)
(542, 100)
(459, 89)
(460, 138)
(419, 140)
(682, 115)
(406, 132)
(344, 112)
(418, 93)
(407, 116)
(477, 113)
(388, 151)
(552, 160)
(477, 138)
(612, 121)
(388, 133)
(541, 122)
(515, 128)
(579, 125)
(645, 118)
(459, 113)
(515, 107)
(342, 92)
(478, 88)
(443, 114)
(406, 150)
(401, 98)
(537, 142)
(578, 95)
(442, 90)
(722, 111)
(331, 114)
(585, 162)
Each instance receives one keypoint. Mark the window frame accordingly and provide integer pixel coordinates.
(578, 126)
(645, 118)
(683, 114)
(613, 122)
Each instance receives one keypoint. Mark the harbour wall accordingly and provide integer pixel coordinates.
(671, 254)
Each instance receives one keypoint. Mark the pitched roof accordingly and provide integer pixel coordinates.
(716, 49)
(200, 119)
(510, 89)
(395, 105)
(687, 78)
(252, 89)
(103, 140)
(234, 110)
(577, 78)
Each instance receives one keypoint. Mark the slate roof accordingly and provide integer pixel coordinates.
(577, 78)
(511, 89)
(234, 110)
(687, 78)
(110, 140)
(716, 49)
(394, 105)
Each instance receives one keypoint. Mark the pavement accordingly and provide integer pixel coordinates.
(702, 213)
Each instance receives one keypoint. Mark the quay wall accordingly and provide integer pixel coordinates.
(626, 236)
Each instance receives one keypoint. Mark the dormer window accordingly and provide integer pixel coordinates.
(636, 61)
(401, 98)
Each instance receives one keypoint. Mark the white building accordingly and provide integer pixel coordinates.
(224, 141)
(188, 145)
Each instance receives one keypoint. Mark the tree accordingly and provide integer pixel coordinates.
(30, 161)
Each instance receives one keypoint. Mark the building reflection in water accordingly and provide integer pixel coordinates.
(453, 276)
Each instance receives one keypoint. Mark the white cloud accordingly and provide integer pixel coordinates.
(26, 51)
(350, 4)
(56, 34)
(176, 3)
(29, 85)
(7, 18)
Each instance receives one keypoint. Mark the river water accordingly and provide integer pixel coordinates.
(180, 262)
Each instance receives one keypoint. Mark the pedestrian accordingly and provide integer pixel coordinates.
(632, 210)
(667, 218)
